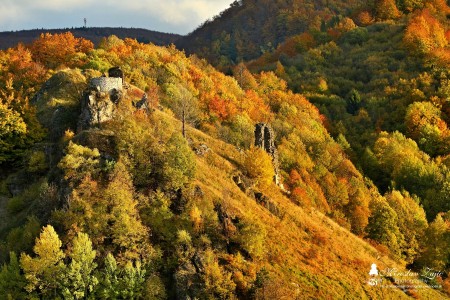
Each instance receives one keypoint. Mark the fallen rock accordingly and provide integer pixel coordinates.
(201, 149)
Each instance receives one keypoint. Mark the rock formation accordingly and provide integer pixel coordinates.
(99, 101)
(265, 139)
(142, 104)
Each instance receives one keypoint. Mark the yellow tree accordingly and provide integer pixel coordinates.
(258, 165)
(129, 235)
(44, 272)
(436, 252)
(79, 162)
(412, 222)
(425, 126)
(386, 10)
(12, 131)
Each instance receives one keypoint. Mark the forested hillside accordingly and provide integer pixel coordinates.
(250, 28)
(377, 72)
(382, 87)
(154, 189)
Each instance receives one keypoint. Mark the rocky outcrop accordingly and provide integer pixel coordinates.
(201, 149)
(186, 281)
(142, 104)
(99, 101)
(58, 102)
(244, 183)
(226, 220)
(96, 108)
(265, 139)
(269, 204)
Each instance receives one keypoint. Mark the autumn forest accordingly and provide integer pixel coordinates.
(155, 188)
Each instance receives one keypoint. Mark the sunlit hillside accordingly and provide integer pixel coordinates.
(144, 182)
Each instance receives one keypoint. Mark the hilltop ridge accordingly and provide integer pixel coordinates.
(94, 34)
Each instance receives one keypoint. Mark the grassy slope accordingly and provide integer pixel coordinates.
(313, 257)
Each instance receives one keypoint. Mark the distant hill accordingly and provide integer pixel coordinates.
(249, 28)
(95, 34)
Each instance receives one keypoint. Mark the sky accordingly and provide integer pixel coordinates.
(173, 16)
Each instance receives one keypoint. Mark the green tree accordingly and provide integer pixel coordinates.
(137, 144)
(412, 170)
(133, 279)
(12, 282)
(178, 164)
(424, 125)
(109, 287)
(79, 162)
(19, 127)
(184, 246)
(412, 222)
(154, 289)
(438, 200)
(252, 238)
(44, 272)
(383, 226)
(353, 101)
(12, 132)
(121, 282)
(22, 238)
(436, 253)
(158, 216)
(410, 5)
(239, 132)
(79, 279)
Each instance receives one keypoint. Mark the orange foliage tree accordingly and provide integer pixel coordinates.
(424, 34)
(63, 49)
(296, 44)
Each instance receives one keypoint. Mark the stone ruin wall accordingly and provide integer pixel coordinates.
(107, 84)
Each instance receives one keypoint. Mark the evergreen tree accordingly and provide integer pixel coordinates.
(353, 102)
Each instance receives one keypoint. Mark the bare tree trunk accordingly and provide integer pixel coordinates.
(183, 130)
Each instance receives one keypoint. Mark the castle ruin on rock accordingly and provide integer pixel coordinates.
(265, 139)
(99, 101)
